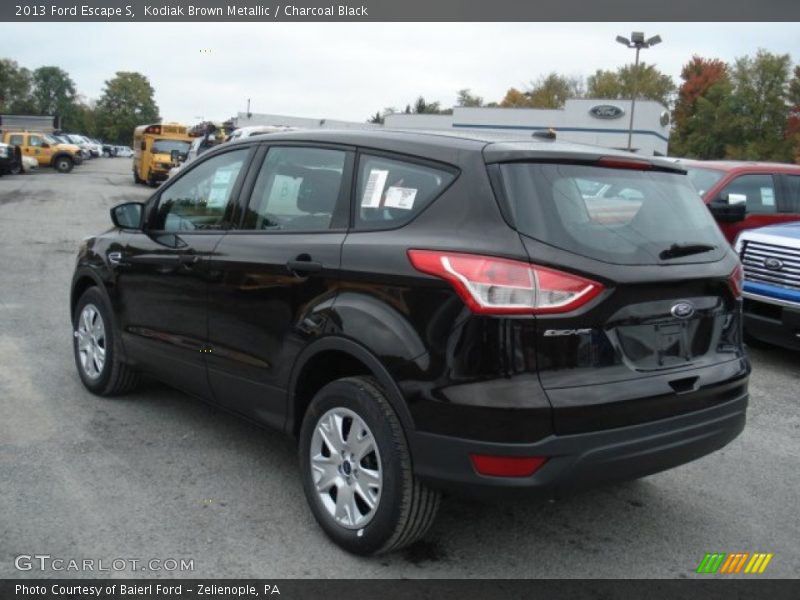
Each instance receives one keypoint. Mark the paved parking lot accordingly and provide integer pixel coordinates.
(159, 475)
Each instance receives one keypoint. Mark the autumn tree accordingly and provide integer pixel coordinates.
(702, 110)
(549, 91)
(127, 102)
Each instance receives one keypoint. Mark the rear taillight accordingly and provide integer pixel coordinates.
(491, 285)
(736, 280)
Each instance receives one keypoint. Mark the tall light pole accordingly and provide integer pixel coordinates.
(637, 41)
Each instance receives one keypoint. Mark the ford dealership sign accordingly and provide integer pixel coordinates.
(606, 111)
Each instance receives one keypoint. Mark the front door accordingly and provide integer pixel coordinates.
(162, 274)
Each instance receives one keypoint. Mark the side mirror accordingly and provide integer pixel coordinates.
(729, 208)
(128, 215)
(175, 156)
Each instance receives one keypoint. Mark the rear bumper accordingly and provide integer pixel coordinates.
(772, 320)
(581, 460)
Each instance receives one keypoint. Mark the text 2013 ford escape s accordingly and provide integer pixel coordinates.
(427, 312)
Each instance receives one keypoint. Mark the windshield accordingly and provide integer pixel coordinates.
(167, 146)
(704, 179)
(618, 216)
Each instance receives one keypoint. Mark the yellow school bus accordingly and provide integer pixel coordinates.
(152, 150)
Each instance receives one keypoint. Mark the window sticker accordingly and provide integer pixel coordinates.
(400, 197)
(217, 197)
(222, 176)
(767, 196)
(374, 188)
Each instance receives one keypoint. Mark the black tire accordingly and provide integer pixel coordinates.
(136, 178)
(406, 508)
(150, 181)
(115, 377)
(16, 169)
(63, 164)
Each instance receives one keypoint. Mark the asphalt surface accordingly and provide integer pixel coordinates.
(159, 475)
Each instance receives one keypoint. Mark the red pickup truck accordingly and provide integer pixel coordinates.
(744, 195)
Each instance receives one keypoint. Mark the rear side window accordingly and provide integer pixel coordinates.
(619, 216)
(16, 140)
(391, 192)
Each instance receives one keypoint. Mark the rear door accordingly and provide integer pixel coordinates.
(652, 342)
(274, 278)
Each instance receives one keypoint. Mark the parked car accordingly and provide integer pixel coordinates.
(427, 312)
(196, 148)
(10, 159)
(771, 259)
(78, 140)
(46, 150)
(124, 151)
(745, 195)
(109, 150)
(243, 132)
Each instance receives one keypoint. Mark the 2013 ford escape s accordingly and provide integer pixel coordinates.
(427, 312)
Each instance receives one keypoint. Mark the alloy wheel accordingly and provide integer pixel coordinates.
(346, 468)
(91, 341)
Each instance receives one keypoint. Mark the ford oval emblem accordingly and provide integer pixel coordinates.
(606, 111)
(682, 310)
(773, 264)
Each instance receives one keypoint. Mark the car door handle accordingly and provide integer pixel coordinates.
(188, 259)
(303, 266)
(115, 258)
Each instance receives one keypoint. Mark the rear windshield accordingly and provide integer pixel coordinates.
(704, 179)
(618, 216)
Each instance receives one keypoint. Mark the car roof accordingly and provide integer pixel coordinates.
(495, 146)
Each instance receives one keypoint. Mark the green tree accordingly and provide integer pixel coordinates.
(421, 107)
(761, 91)
(15, 88)
(648, 82)
(467, 99)
(53, 93)
(127, 102)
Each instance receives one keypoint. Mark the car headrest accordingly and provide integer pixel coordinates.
(319, 191)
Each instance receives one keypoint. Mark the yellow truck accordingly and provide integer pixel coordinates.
(47, 150)
(155, 150)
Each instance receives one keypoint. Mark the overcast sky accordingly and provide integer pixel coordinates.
(351, 70)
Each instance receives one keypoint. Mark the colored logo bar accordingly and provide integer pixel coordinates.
(737, 562)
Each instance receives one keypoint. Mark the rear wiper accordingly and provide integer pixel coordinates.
(678, 250)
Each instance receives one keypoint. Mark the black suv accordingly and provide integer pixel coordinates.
(427, 312)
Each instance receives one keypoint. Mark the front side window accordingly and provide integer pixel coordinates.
(619, 216)
(297, 189)
(35, 140)
(198, 199)
(756, 191)
(392, 192)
